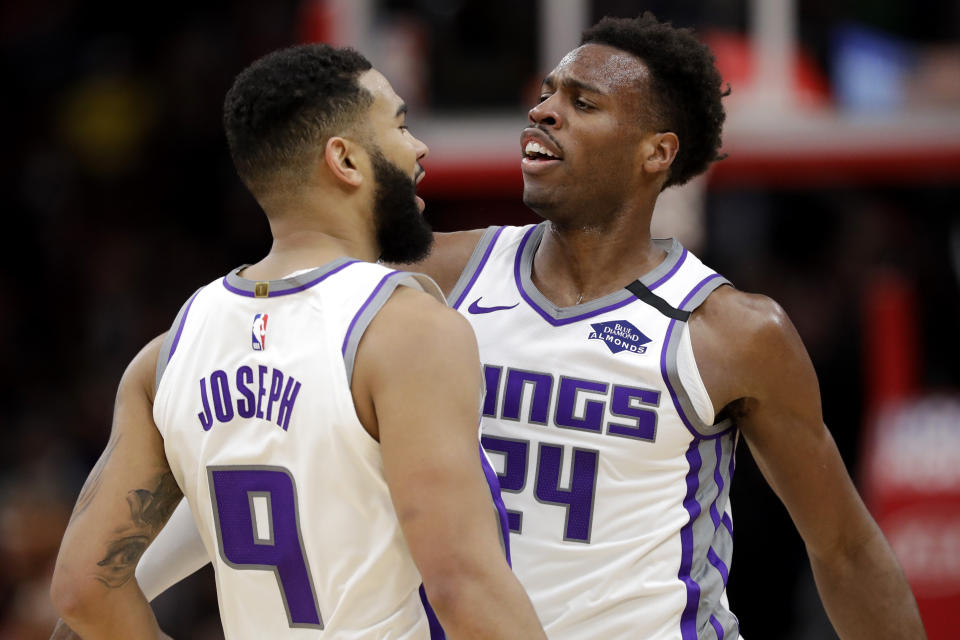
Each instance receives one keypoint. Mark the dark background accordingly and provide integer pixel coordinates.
(118, 200)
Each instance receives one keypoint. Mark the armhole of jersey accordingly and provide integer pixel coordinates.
(170, 343)
(372, 305)
(479, 257)
(687, 390)
(690, 380)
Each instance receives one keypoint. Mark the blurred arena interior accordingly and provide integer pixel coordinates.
(838, 198)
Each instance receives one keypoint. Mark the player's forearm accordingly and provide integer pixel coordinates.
(486, 604)
(866, 594)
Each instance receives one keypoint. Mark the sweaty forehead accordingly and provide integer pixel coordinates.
(385, 98)
(603, 66)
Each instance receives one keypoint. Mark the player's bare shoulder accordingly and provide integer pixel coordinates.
(413, 317)
(414, 344)
(741, 339)
(140, 375)
(448, 257)
(413, 330)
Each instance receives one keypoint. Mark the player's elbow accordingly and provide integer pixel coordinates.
(446, 596)
(74, 596)
(454, 593)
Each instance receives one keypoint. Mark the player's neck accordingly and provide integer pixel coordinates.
(304, 248)
(310, 231)
(573, 266)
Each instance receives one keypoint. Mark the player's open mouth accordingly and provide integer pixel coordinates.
(418, 176)
(539, 152)
(533, 150)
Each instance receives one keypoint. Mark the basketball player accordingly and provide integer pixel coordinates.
(621, 372)
(318, 411)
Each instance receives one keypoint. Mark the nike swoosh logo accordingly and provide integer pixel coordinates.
(476, 308)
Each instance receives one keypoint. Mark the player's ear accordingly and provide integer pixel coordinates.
(660, 151)
(342, 157)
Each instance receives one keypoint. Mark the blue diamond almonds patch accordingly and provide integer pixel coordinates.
(619, 335)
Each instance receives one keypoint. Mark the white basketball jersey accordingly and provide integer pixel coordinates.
(285, 485)
(615, 479)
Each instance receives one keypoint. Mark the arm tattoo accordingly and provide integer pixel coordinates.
(149, 511)
(92, 484)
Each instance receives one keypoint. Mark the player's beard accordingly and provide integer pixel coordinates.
(402, 232)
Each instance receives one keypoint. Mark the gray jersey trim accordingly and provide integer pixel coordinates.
(653, 279)
(668, 363)
(285, 286)
(172, 340)
(470, 273)
(372, 305)
(679, 393)
(707, 286)
(706, 540)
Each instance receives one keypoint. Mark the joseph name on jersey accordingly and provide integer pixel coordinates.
(285, 485)
(614, 475)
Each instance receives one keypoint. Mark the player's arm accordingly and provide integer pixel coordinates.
(754, 353)
(127, 498)
(417, 370)
(447, 259)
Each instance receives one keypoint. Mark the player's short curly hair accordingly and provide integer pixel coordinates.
(289, 103)
(684, 82)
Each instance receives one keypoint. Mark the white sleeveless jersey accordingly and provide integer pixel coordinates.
(615, 479)
(285, 485)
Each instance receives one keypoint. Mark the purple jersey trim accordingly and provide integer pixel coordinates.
(666, 378)
(559, 322)
(183, 321)
(670, 274)
(363, 307)
(717, 627)
(436, 631)
(718, 564)
(286, 292)
(688, 619)
(718, 478)
(476, 272)
(727, 522)
(543, 314)
(717, 517)
(494, 483)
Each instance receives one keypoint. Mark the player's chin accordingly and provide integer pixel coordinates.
(538, 197)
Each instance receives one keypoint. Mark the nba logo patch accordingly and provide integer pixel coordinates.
(259, 334)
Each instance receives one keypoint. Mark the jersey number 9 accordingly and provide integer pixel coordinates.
(255, 509)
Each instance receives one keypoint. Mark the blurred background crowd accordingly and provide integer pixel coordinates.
(839, 199)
